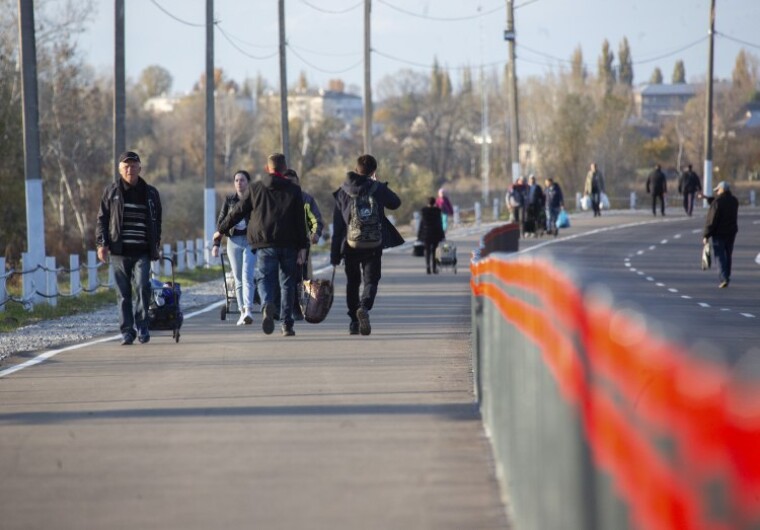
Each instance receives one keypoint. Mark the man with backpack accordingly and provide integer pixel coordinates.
(360, 231)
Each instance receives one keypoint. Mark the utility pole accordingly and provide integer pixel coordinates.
(119, 93)
(284, 127)
(35, 221)
(209, 193)
(708, 178)
(367, 79)
(514, 132)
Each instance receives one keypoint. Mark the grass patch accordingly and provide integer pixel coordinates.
(15, 316)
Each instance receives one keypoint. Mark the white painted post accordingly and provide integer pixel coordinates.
(75, 280)
(416, 222)
(633, 200)
(155, 268)
(199, 253)
(496, 209)
(180, 256)
(3, 292)
(478, 214)
(27, 280)
(578, 201)
(167, 265)
(456, 216)
(190, 254)
(752, 198)
(92, 270)
(51, 281)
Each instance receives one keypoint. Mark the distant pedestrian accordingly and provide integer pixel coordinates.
(444, 205)
(721, 225)
(594, 187)
(129, 229)
(690, 185)
(535, 202)
(360, 233)
(555, 203)
(516, 199)
(430, 233)
(242, 258)
(277, 231)
(657, 185)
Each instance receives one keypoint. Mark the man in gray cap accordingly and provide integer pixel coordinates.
(721, 226)
(129, 229)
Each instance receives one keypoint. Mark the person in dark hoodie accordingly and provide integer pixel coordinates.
(277, 232)
(657, 185)
(360, 232)
(721, 226)
(431, 232)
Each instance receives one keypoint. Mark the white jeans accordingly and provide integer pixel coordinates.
(242, 264)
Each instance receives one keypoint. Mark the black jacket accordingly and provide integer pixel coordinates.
(689, 183)
(350, 188)
(275, 208)
(229, 202)
(111, 215)
(431, 226)
(657, 183)
(722, 217)
(554, 198)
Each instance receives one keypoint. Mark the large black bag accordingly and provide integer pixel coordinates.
(317, 298)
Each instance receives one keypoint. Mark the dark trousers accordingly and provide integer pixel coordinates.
(129, 271)
(723, 249)
(596, 200)
(688, 202)
(430, 256)
(362, 267)
(277, 270)
(655, 197)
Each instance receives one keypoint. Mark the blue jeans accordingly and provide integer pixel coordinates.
(242, 264)
(129, 270)
(271, 263)
(723, 249)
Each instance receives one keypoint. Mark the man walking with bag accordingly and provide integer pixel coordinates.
(360, 233)
(721, 226)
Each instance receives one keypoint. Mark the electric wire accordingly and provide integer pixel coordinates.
(738, 41)
(440, 19)
(238, 48)
(329, 11)
(176, 17)
(323, 70)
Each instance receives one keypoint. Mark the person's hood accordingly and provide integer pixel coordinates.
(274, 181)
(355, 183)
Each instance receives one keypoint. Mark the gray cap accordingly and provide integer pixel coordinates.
(722, 186)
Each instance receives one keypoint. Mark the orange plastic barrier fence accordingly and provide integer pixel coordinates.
(632, 391)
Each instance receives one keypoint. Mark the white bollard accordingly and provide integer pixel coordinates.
(478, 214)
(496, 209)
(51, 281)
(27, 280)
(456, 216)
(416, 222)
(190, 245)
(578, 201)
(92, 270)
(633, 200)
(75, 279)
(167, 265)
(3, 292)
(180, 256)
(199, 253)
(752, 198)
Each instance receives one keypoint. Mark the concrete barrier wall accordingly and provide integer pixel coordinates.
(597, 424)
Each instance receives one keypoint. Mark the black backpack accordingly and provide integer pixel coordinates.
(365, 221)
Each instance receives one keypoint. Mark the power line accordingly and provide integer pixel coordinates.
(526, 3)
(238, 48)
(669, 54)
(251, 44)
(441, 19)
(429, 66)
(739, 41)
(324, 71)
(185, 22)
(331, 12)
(324, 54)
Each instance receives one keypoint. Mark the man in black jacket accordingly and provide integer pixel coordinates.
(277, 232)
(657, 185)
(129, 229)
(689, 185)
(721, 225)
(361, 197)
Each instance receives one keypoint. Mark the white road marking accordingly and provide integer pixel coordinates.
(703, 304)
(748, 315)
(653, 247)
(650, 279)
(677, 236)
(673, 290)
(664, 242)
(640, 252)
(640, 273)
(50, 354)
(757, 259)
(660, 284)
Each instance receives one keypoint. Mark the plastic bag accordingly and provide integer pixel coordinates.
(604, 201)
(563, 220)
(585, 203)
(706, 256)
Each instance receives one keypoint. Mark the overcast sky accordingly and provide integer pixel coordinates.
(326, 36)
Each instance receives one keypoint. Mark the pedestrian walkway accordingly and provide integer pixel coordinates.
(231, 428)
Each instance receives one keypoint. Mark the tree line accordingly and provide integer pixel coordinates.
(427, 124)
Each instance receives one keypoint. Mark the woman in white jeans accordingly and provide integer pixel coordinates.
(242, 259)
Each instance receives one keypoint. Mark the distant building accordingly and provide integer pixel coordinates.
(161, 104)
(656, 104)
(166, 104)
(315, 105)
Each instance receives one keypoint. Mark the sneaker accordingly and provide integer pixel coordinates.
(247, 317)
(362, 315)
(143, 335)
(288, 331)
(353, 328)
(241, 320)
(723, 284)
(127, 339)
(267, 321)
